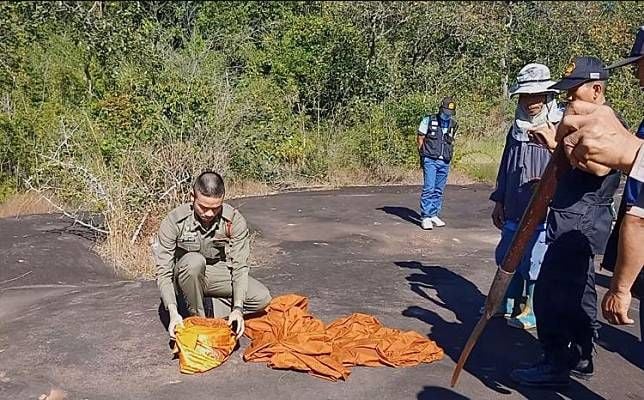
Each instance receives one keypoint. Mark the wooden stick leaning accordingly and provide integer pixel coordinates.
(534, 214)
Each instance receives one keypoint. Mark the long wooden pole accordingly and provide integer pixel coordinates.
(534, 214)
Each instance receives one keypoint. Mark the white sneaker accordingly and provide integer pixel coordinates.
(437, 221)
(426, 223)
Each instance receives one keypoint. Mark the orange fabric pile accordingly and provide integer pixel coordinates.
(288, 337)
(203, 344)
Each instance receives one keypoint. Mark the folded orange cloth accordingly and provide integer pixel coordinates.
(288, 337)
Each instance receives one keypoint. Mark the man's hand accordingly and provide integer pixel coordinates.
(544, 135)
(236, 318)
(175, 320)
(615, 307)
(498, 216)
(593, 136)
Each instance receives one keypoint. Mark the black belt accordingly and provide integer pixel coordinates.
(213, 261)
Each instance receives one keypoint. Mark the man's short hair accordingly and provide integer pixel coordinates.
(598, 82)
(601, 83)
(210, 184)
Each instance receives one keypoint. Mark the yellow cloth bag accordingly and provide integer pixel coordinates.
(203, 344)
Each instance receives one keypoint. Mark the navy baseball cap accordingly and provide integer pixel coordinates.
(580, 71)
(448, 106)
(636, 53)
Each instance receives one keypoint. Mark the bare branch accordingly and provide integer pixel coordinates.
(66, 136)
(137, 231)
(63, 211)
(91, 180)
(147, 213)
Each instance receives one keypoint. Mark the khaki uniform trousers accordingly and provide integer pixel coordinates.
(196, 279)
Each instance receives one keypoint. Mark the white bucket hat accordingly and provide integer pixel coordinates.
(533, 78)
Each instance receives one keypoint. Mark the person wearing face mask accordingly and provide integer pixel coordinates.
(202, 249)
(521, 167)
(435, 141)
(578, 225)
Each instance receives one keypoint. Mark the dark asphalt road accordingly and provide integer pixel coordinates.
(68, 321)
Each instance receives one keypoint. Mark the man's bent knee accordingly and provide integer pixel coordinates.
(265, 301)
(192, 264)
(260, 299)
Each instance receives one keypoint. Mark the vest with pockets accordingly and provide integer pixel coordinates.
(583, 202)
(436, 144)
(583, 205)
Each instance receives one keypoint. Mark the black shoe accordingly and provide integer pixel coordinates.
(580, 360)
(584, 369)
(543, 374)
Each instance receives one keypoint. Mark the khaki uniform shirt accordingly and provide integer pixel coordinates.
(226, 241)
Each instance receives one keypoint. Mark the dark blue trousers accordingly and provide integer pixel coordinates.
(565, 299)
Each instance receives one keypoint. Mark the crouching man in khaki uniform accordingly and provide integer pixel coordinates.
(202, 249)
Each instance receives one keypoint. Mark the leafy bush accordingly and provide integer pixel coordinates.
(114, 106)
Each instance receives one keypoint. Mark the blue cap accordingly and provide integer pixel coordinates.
(448, 105)
(580, 71)
(636, 53)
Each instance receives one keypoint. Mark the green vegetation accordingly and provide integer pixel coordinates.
(108, 105)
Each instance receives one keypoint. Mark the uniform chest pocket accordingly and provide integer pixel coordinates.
(189, 243)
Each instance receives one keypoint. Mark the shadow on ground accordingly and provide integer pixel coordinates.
(623, 343)
(500, 348)
(614, 340)
(404, 213)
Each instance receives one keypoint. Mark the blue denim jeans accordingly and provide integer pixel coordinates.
(530, 264)
(434, 179)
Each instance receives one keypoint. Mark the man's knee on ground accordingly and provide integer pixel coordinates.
(192, 265)
(260, 300)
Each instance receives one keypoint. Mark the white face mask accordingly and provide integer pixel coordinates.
(523, 122)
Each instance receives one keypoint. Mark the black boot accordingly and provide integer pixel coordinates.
(550, 372)
(583, 369)
(581, 360)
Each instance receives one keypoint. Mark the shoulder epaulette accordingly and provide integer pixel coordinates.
(228, 214)
(181, 213)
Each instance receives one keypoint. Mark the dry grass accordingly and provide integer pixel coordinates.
(25, 204)
(133, 261)
(383, 176)
(479, 158)
(244, 188)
